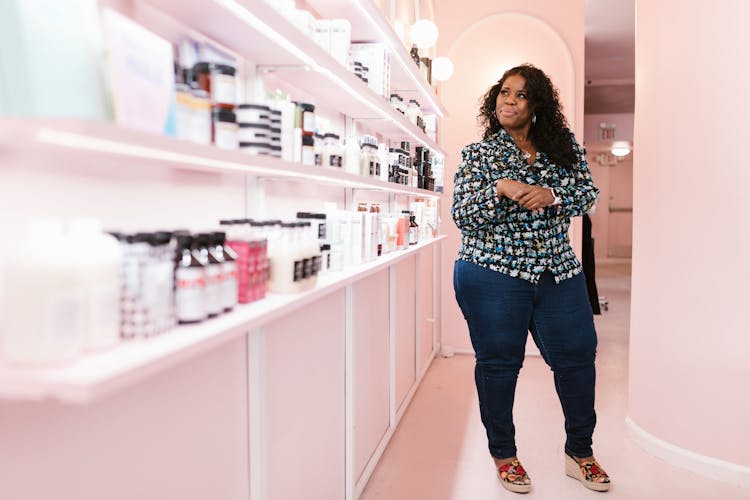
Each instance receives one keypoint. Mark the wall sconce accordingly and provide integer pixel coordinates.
(424, 33)
(442, 68)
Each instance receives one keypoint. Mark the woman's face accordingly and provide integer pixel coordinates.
(512, 106)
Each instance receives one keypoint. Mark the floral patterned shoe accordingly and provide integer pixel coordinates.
(513, 477)
(588, 472)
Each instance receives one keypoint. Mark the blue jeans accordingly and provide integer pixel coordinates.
(500, 310)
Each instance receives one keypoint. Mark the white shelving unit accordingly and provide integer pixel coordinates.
(367, 330)
(279, 47)
(368, 24)
(81, 139)
(98, 374)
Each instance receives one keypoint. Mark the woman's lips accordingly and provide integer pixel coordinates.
(507, 112)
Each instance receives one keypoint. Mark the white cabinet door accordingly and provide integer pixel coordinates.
(371, 367)
(304, 392)
(403, 275)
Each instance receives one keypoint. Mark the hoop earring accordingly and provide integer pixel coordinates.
(533, 119)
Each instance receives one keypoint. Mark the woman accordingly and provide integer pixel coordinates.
(516, 272)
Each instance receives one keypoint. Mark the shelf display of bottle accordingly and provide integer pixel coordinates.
(99, 373)
(80, 139)
(244, 138)
(282, 52)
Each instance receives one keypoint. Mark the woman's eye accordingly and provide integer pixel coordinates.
(504, 92)
(522, 96)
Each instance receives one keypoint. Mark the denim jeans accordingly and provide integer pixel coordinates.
(500, 311)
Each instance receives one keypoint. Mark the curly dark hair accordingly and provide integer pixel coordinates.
(550, 133)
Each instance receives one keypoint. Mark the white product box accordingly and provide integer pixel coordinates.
(141, 77)
(322, 34)
(377, 58)
(341, 38)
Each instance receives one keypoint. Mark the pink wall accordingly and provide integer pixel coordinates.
(689, 331)
(483, 39)
(181, 434)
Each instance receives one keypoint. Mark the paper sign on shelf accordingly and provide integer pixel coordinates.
(141, 77)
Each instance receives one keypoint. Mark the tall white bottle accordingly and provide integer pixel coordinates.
(100, 280)
(43, 302)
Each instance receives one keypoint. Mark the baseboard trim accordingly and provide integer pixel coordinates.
(702, 465)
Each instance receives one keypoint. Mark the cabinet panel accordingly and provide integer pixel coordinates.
(405, 293)
(371, 380)
(182, 434)
(425, 311)
(305, 402)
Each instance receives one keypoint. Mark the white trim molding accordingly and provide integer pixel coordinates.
(702, 465)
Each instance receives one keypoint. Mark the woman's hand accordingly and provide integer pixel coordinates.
(531, 197)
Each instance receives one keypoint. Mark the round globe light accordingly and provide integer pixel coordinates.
(442, 68)
(620, 148)
(424, 33)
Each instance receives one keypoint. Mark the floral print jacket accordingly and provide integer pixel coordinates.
(502, 235)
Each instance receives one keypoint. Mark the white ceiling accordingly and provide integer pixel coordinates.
(610, 56)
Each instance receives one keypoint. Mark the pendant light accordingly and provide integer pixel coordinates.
(424, 33)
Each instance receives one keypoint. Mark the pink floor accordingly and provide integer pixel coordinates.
(439, 451)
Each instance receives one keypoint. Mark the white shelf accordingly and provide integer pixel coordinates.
(256, 31)
(96, 375)
(369, 25)
(81, 140)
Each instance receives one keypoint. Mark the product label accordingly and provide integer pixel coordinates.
(321, 230)
(157, 293)
(64, 319)
(225, 135)
(308, 122)
(308, 268)
(213, 289)
(190, 296)
(223, 89)
(317, 264)
(229, 285)
(299, 270)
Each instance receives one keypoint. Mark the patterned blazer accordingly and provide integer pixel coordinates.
(501, 234)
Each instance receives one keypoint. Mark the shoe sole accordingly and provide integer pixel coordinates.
(573, 470)
(515, 488)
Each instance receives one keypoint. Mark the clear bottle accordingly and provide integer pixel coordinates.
(158, 289)
(202, 243)
(413, 229)
(101, 282)
(137, 312)
(229, 293)
(190, 283)
(283, 259)
(48, 325)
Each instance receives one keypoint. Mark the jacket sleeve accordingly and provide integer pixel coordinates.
(475, 201)
(577, 191)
